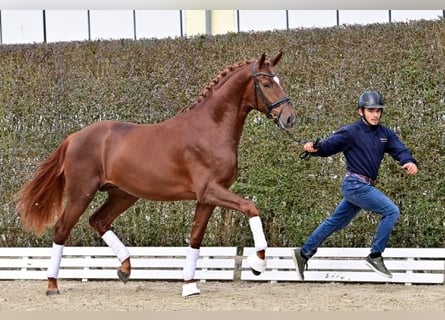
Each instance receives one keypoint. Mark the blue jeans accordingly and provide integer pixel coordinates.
(357, 194)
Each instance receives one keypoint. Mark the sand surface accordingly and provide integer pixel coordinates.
(21, 295)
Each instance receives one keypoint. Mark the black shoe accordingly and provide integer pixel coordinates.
(378, 266)
(300, 262)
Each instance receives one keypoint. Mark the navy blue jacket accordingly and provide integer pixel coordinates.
(364, 147)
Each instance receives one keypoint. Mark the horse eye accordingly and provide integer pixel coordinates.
(266, 84)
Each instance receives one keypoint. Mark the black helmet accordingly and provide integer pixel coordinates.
(370, 99)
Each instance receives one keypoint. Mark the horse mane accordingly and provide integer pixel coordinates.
(209, 88)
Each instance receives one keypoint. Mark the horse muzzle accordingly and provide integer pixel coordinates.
(286, 116)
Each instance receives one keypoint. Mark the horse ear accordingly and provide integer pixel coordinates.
(262, 59)
(275, 60)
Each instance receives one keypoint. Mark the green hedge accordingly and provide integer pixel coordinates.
(50, 90)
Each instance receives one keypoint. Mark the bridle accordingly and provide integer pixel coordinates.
(259, 92)
(271, 106)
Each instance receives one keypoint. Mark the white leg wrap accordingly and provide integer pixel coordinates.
(190, 263)
(54, 263)
(116, 245)
(258, 235)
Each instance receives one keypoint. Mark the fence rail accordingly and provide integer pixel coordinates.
(408, 265)
(88, 263)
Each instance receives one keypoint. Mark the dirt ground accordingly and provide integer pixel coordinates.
(29, 295)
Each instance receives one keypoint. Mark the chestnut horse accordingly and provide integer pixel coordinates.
(191, 156)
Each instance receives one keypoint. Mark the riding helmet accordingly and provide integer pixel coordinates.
(370, 99)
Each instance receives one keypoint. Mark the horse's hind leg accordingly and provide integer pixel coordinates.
(75, 207)
(116, 203)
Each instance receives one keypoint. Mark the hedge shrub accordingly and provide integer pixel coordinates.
(51, 90)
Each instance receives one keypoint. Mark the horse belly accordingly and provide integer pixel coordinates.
(154, 189)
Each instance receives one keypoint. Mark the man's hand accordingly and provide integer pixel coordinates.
(309, 147)
(410, 168)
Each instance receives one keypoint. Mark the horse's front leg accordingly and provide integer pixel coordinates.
(220, 196)
(200, 220)
(257, 261)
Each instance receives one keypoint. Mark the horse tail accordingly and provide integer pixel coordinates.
(39, 202)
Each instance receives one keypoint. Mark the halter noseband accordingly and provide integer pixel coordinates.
(269, 106)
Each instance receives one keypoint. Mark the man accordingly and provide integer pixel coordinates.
(363, 144)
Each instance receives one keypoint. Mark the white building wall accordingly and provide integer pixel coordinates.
(64, 25)
(158, 24)
(27, 26)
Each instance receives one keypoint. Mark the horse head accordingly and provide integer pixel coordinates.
(270, 97)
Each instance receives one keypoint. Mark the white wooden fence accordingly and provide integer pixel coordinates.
(408, 265)
(148, 263)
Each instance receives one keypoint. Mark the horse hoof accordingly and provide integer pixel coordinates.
(256, 264)
(52, 292)
(123, 276)
(190, 289)
(257, 273)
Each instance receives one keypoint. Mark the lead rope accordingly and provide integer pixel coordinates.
(305, 154)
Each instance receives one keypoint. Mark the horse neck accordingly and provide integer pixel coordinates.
(228, 104)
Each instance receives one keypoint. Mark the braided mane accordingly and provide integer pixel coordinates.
(214, 82)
